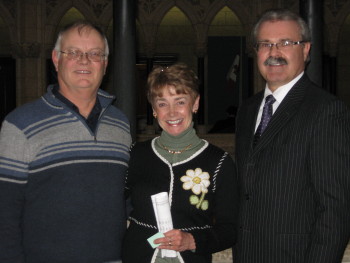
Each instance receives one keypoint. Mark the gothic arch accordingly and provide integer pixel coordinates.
(343, 13)
(87, 12)
(106, 16)
(146, 15)
(192, 12)
(243, 14)
(198, 16)
(149, 21)
(55, 19)
(182, 11)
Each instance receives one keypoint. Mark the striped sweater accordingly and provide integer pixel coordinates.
(61, 185)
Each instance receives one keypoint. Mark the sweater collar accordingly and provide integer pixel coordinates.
(178, 142)
(104, 98)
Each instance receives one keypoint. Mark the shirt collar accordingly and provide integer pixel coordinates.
(96, 110)
(280, 93)
(68, 103)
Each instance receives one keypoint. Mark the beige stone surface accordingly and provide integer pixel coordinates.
(346, 258)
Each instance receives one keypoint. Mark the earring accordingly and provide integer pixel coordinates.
(195, 111)
(154, 115)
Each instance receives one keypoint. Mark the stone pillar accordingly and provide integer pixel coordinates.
(149, 107)
(124, 66)
(201, 52)
(29, 53)
(27, 71)
(200, 117)
(150, 49)
(312, 12)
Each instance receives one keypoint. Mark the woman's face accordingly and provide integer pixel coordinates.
(174, 111)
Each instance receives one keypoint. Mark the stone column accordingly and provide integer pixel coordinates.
(312, 12)
(200, 117)
(149, 107)
(150, 49)
(27, 75)
(124, 66)
(28, 52)
(201, 51)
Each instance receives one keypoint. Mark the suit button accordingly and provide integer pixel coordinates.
(247, 196)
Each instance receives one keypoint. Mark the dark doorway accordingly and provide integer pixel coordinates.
(51, 72)
(7, 86)
(227, 76)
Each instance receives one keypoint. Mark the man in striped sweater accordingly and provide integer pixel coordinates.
(63, 160)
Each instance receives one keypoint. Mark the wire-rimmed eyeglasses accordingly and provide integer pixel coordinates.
(94, 55)
(283, 45)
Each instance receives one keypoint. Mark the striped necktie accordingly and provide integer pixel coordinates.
(265, 118)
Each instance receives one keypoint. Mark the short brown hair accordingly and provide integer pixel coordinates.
(179, 76)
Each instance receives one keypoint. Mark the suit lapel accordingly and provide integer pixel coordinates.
(283, 114)
(251, 115)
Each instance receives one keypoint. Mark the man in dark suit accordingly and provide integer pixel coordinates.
(294, 166)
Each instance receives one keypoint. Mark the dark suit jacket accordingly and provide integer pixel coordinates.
(295, 194)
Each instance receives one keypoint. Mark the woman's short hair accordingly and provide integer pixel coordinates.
(179, 76)
(281, 15)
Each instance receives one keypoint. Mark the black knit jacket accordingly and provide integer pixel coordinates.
(212, 224)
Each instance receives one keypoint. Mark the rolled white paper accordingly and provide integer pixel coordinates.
(162, 212)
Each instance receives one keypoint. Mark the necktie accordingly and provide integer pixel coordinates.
(265, 118)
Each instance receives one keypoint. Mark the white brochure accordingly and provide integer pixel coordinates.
(162, 212)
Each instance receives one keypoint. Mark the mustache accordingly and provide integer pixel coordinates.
(274, 61)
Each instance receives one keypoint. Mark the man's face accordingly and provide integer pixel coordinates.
(291, 59)
(81, 74)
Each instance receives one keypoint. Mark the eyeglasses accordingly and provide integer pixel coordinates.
(94, 55)
(283, 45)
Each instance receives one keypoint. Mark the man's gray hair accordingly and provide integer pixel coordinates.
(282, 15)
(81, 25)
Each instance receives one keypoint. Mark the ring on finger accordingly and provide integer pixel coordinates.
(169, 243)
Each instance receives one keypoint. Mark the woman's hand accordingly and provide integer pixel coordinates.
(176, 240)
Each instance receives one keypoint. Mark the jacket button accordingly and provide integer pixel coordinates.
(247, 196)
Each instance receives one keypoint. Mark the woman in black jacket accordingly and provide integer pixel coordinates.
(199, 178)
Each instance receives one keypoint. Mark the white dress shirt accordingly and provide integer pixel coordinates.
(279, 94)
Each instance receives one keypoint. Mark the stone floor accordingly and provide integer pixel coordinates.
(226, 256)
(346, 258)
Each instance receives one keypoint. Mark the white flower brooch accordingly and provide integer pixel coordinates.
(197, 181)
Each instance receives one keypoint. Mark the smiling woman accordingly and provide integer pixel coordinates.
(174, 96)
(199, 178)
(174, 111)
